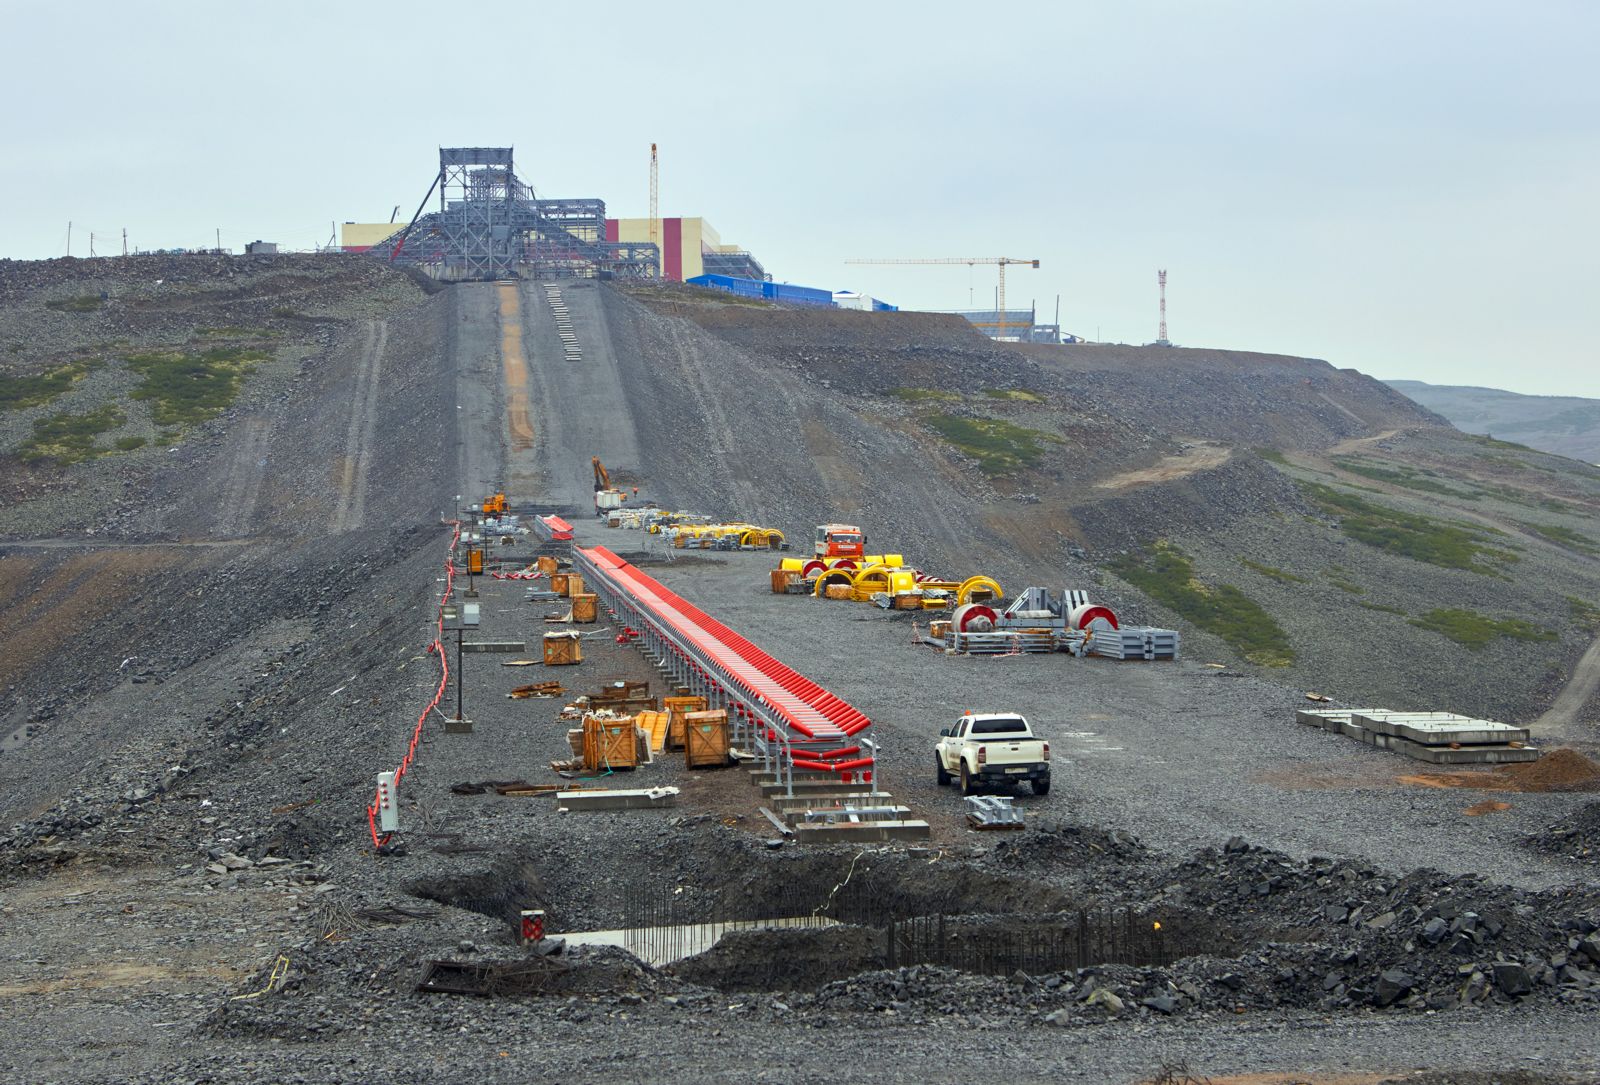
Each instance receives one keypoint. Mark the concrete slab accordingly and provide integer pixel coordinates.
(862, 831)
(1466, 755)
(824, 815)
(1443, 729)
(618, 799)
(811, 788)
(783, 804)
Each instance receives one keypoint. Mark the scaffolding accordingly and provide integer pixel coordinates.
(490, 225)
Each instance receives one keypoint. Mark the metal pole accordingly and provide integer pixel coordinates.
(459, 674)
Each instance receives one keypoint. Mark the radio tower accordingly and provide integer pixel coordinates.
(654, 206)
(1161, 336)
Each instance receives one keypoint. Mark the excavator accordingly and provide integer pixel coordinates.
(606, 496)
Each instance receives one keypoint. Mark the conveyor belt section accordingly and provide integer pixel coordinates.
(772, 707)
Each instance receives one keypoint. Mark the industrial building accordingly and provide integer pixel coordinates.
(1012, 325)
(689, 247)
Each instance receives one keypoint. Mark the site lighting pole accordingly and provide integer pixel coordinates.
(469, 617)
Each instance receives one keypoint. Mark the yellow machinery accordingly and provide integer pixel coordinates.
(495, 506)
(710, 535)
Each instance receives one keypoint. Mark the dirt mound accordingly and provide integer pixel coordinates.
(784, 958)
(1558, 770)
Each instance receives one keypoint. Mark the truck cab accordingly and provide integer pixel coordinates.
(992, 748)
(840, 541)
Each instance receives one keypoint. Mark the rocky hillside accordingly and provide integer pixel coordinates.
(1286, 515)
(1564, 425)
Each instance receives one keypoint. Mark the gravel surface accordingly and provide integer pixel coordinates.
(189, 891)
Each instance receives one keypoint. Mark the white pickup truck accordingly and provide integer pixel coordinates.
(992, 748)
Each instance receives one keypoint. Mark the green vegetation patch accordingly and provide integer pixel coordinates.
(1019, 395)
(1489, 442)
(1272, 455)
(999, 447)
(188, 388)
(1584, 612)
(926, 395)
(83, 303)
(1475, 630)
(1346, 586)
(69, 438)
(1167, 576)
(237, 333)
(1447, 545)
(128, 444)
(1409, 477)
(39, 388)
(1381, 607)
(1280, 575)
(1564, 536)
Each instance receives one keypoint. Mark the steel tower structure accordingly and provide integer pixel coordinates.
(490, 225)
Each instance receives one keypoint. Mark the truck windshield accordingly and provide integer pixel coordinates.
(848, 540)
(1003, 725)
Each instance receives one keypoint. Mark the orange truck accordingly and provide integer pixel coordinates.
(840, 541)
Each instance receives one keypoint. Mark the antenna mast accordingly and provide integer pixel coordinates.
(1161, 279)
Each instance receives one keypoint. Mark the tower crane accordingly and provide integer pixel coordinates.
(1001, 261)
(655, 220)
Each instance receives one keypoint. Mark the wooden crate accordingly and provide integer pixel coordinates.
(585, 608)
(908, 602)
(558, 582)
(547, 564)
(562, 649)
(574, 585)
(782, 578)
(609, 743)
(839, 591)
(677, 708)
(705, 738)
(655, 724)
(939, 628)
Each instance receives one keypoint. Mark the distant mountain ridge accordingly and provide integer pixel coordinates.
(1563, 425)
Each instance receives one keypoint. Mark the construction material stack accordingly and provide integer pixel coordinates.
(811, 749)
(1440, 738)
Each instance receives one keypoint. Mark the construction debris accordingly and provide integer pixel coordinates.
(988, 812)
(536, 689)
(1441, 738)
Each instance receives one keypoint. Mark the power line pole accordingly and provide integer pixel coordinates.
(124, 241)
(69, 237)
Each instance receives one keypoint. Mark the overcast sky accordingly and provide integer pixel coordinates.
(1407, 189)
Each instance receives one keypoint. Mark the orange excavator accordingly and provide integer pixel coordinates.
(495, 506)
(606, 496)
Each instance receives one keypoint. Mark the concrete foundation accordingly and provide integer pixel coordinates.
(852, 831)
(632, 799)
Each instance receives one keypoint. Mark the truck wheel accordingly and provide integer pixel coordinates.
(1041, 785)
(939, 772)
(968, 785)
